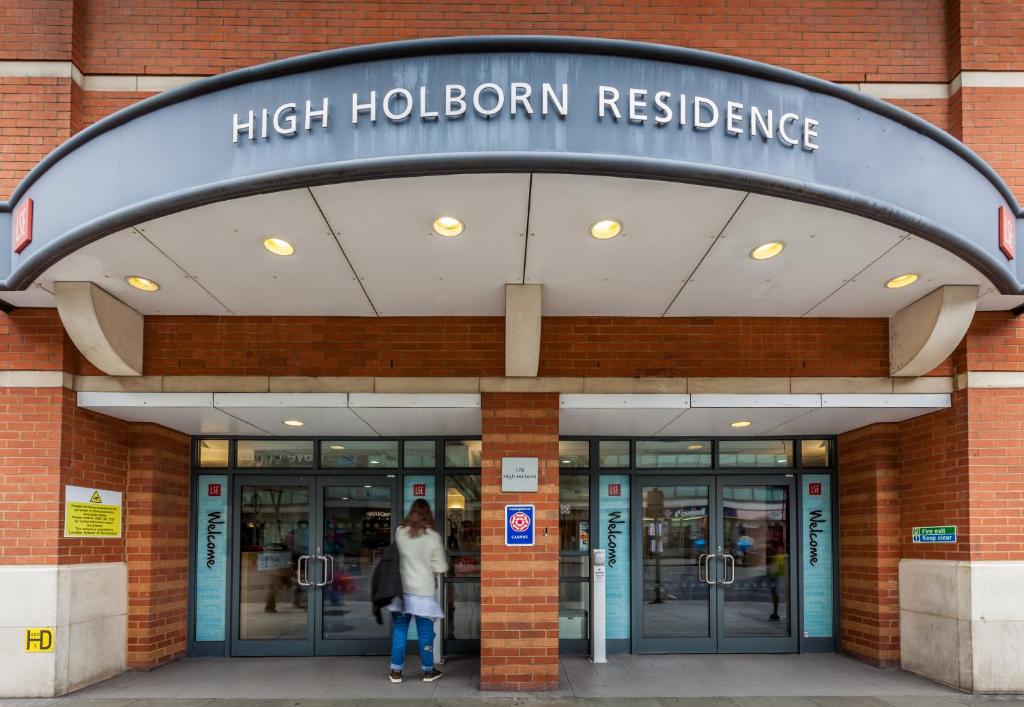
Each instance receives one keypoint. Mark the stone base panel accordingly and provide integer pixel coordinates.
(962, 623)
(87, 607)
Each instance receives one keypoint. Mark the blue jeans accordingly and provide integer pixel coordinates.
(424, 639)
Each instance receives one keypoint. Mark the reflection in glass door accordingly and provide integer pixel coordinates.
(356, 521)
(304, 555)
(271, 614)
(716, 566)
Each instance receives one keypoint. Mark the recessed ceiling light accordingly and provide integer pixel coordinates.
(373, 461)
(293, 423)
(605, 229)
(278, 246)
(901, 281)
(740, 423)
(696, 446)
(142, 283)
(567, 461)
(448, 226)
(367, 486)
(339, 447)
(767, 250)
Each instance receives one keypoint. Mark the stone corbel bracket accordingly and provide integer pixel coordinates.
(924, 333)
(107, 331)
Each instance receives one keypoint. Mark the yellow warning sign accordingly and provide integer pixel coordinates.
(91, 513)
(39, 640)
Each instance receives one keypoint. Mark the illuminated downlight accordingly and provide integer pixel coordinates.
(294, 423)
(767, 250)
(337, 447)
(740, 423)
(278, 246)
(901, 281)
(448, 226)
(605, 229)
(695, 447)
(143, 283)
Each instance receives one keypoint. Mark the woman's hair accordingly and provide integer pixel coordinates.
(419, 519)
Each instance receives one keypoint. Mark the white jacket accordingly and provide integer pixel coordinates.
(419, 559)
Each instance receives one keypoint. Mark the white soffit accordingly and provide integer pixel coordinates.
(667, 228)
(221, 245)
(386, 229)
(866, 293)
(823, 248)
(323, 414)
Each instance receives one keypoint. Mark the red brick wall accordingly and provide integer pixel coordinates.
(994, 342)
(33, 340)
(990, 33)
(47, 443)
(869, 551)
(519, 586)
(100, 104)
(157, 545)
(853, 40)
(35, 117)
(474, 346)
(36, 30)
(993, 126)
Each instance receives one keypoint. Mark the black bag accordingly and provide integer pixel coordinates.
(386, 583)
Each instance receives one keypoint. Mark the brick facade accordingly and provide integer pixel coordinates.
(519, 586)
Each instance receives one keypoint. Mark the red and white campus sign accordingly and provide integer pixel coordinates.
(22, 231)
(1007, 233)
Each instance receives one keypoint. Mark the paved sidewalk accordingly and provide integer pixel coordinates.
(810, 680)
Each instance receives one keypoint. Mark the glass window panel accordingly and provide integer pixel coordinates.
(420, 454)
(613, 453)
(574, 454)
(672, 454)
(573, 610)
(464, 566)
(213, 453)
(463, 610)
(462, 512)
(355, 454)
(574, 512)
(574, 566)
(814, 453)
(275, 453)
(756, 453)
(462, 454)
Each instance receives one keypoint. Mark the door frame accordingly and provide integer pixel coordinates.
(349, 646)
(265, 647)
(716, 641)
(763, 644)
(680, 644)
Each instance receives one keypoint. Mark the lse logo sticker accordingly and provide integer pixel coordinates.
(213, 490)
(1007, 233)
(419, 490)
(614, 489)
(519, 521)
(814, 488)
(22, 231)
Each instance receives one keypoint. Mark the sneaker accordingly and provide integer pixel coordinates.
(395, 676)
(432, 675)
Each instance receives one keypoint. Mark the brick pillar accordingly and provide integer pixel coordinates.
(157, 544)
(869, 547)
(519, 586)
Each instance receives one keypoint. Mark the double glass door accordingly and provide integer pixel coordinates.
(716, 568)
(304, 552)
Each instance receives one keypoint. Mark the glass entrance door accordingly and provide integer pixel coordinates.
(304, 553)
(715, 570)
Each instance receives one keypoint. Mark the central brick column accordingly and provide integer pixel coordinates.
(519, 585)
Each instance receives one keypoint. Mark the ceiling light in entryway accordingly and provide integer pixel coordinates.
(338, 447)
(767, 250)
(605, 229)
(694, 447)
(142, 283)
(278, 246)
(293, 423)
(740, 423)
(901, 281)
(448, 226)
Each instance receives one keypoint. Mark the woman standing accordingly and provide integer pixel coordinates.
(421, 556)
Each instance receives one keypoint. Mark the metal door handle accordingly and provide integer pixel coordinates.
(707, 569)
(700, 562)
(328, 562)
(729, 561)
(302, 579)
